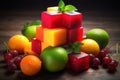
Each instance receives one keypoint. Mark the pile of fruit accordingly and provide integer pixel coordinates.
(58, 48)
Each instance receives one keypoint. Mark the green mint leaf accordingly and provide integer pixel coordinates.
(69, 8)
(36, 22)
(76, 47)
(69, 50)
(77, 50)
(61, 5)
(73, 47)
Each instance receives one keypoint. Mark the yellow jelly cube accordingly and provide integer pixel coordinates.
(54, 37)
(44, 45)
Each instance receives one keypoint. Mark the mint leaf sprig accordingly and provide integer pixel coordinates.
(73, 47)
(65, 8)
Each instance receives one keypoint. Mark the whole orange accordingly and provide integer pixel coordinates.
(18, 42)
(30, 65)
(28, 50)
(90, 46)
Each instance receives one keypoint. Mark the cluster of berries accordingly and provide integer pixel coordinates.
(103, 59)
(13, 59)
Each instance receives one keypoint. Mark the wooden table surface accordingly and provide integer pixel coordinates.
(11, 22)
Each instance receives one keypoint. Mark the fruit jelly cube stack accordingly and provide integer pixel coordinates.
(72, 19)
(59, 28)
(51, 20)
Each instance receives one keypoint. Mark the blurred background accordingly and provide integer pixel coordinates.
(42, 4)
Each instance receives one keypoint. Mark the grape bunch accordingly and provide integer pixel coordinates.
(13, 59)
(103, 59)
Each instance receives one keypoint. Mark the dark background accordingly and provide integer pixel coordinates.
(42, 4)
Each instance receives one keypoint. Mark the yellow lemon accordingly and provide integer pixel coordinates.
(90, 46)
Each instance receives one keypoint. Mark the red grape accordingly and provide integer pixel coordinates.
(8, 56)
(106, 60)
(102, 54)
(112, 65)
(95, 63)
(18, 60)
(91, 58)
(14, 53)
(12, 67)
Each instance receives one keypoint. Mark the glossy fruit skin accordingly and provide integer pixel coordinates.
(99, 35)
(18, 42)
(29, 32)
(90, 46)
(106, 60)
(112, 65)
(95, 63)
(8, 56)
(14, 53)
(30, 65)
(17, 61)
(12, 67)
(91, 58)
(54, 58)
(102, 54)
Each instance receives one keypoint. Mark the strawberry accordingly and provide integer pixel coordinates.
(78, 62)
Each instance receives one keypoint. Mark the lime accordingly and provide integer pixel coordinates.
(29, 32)
(99, 35)
(54, 58)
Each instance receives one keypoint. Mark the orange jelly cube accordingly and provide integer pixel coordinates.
(39, 33)
(54, 37)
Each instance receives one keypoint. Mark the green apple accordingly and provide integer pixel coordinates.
(54, 58)
(29, 32)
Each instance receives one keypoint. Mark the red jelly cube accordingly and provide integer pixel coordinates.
(72, 20)
(72, 35)
(80, 34)
(78, 62)
(36, 45)
(51, 20)
(75, 34)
